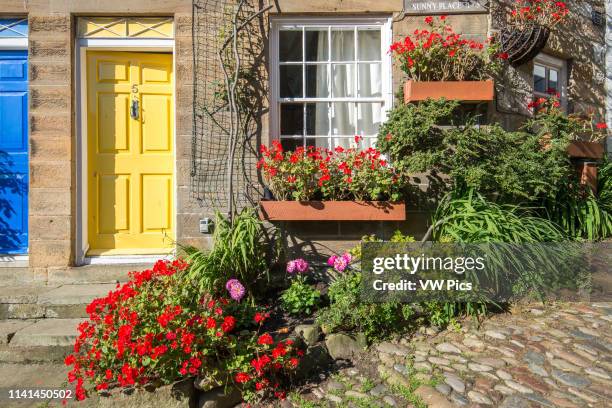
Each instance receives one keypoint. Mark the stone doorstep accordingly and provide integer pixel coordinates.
(75, 294)
(47, 332)
(20, 294)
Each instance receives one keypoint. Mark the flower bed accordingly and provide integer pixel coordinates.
(316, 184)
(156, 329)
(440, 63)
(332, 211)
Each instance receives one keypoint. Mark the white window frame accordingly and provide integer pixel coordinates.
(559, 65)
(287, 22)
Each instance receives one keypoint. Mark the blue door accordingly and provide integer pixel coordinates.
(13, 152)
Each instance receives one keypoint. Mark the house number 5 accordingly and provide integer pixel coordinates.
(134, 88)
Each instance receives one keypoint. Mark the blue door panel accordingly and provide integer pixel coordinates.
(13, 152)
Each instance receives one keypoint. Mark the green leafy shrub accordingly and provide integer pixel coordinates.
(411, 136)
(347, 313)
(300, 299)
(156, 329)
(239, 251)
(506, 166)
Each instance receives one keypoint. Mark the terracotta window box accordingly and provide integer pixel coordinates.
(586, 150)
(471, 91)
(332, 211)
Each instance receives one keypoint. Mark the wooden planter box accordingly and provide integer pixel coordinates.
(586, 150)
(473, 91)
(332, 211)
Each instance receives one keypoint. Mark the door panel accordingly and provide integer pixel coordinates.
(14, 170)
(130, 153)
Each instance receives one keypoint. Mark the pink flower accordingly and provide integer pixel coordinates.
(235, 289)
(297, 265)
(340, 263)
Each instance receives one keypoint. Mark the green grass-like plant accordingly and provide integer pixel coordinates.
(239, 251)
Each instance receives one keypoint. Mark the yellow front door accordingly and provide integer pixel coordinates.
(130, 153)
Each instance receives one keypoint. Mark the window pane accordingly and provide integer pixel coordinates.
(290, 46)
(370, 80)
(343, 80)
(291, 81)
(539, 78)
(349, 142)
(292, 119)
(291, 144)
(369, 118)
(317, 46)
(318, 142)
(553, 80)
(368, 43)
(316, 81)
(343, 45)
(317, 119)
(343, 119)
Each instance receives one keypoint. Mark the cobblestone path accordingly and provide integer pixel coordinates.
(545, 356)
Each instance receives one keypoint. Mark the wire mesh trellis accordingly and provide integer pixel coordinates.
(229, 40)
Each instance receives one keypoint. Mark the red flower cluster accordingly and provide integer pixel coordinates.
(318, 173)
(547, 13)
(149, 329)
(438, 54)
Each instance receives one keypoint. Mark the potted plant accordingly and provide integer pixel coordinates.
(440, 63)
(317, 184)
(529, 27)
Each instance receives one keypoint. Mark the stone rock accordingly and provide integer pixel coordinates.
(504, 390)
(439, 361)
(504, 375)
(179, 395)
(333, 398)
(518, 387)
(491, 362)
(479, 398)
(386, 359)
(309, 332)
(217, 398)
(569, 379)
(473, 343)
(597, 372)
(454, 382)
(538, 370)
(443, 389)
(514, 401)
(459, 399)
(537, 398)
(564, 365)
(573, 358)
(479, 367)
(495, 335)
(355, 394)
(534, 357)
(379, 390)
(335, 386)
(447, 348)
(431, 397)
(400, 368)
(390, 348)
(389, 401)
(342, 346)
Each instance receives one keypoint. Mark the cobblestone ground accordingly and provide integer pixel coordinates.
(554, 356)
